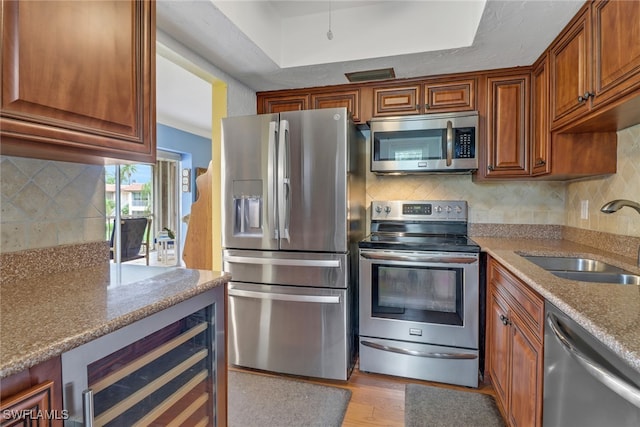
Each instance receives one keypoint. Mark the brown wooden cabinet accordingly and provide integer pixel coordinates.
(284, 102)
(540, 132)
(350, 99)
(449, 96)
(616, 49)
(396, 101)
(595, 63)
(433, 96)
(507, 126)
(310, 99)
(515, 315)
(78, 80)
(570, 60)
(33, 397)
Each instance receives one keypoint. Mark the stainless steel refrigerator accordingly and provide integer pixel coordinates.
(293, 213)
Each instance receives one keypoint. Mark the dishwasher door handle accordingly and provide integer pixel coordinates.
(618, 385)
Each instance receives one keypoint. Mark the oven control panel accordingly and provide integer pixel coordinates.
(420, 210)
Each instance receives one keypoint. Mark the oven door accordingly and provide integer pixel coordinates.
(425, 297)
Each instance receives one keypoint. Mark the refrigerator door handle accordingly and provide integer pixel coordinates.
(274, 296)
(283, 180)
(331, 263)
(271, 179)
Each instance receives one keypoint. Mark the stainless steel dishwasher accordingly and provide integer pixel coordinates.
(585, 383)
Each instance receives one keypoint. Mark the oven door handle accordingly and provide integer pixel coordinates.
(424, 258)
(429, 354)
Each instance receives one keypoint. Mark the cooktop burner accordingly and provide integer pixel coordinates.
(419, 226)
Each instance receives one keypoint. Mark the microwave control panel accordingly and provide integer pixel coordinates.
(465, 145)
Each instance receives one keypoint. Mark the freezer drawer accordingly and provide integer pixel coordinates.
(291, 330)
(288, 268)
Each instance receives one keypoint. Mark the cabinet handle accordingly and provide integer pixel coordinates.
(427, 106)
(585, 97)
(540, 162)
(490, 167)
(505, 320)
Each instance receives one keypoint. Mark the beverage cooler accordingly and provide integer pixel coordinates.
(166, 369)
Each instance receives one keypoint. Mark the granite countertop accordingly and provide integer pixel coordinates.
(610, 312)
(45, 316)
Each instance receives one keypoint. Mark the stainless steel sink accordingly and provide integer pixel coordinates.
(553, 263)
(584, 269)
(584, 276)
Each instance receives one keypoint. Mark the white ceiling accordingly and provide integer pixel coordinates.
(272, 45)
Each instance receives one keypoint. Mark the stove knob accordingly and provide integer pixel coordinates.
(438, 209)
(449, 209)
(378, 209)
(458, 209)
(387, 209)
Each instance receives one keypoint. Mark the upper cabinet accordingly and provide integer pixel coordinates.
(507, 126)
(78, 80)
(432, 96)
(396, 101)
(282, 103)
(595, 64)
(616, 49)
(449, 96)
(540, 134)
(308, 99)
(571, 71)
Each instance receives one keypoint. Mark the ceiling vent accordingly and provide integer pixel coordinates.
(368, 75)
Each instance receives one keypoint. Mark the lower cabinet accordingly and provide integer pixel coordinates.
(33, 397)
(515, 315)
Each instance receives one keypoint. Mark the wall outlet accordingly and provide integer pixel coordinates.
(584, 209)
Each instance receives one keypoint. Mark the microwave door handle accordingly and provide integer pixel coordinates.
(283, 180)
(271, 179)
(449, 142)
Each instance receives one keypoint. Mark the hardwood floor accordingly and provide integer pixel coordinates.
(378, 400)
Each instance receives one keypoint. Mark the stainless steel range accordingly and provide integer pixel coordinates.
(419, 293)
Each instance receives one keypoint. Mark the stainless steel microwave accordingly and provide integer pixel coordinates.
(425, 143)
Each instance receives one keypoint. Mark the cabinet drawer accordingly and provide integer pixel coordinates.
(528, 304)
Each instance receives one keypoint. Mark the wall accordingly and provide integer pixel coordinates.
(47, 203)
(195, 152)
(196, 148)
(625, 184)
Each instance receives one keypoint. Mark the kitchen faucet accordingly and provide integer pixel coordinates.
(616, 205)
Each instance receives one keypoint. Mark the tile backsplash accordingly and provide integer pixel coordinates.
(523, 202)
(625, 184)
(47, 203)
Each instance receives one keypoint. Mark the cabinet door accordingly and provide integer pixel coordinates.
(279, 104)
(526, 376)
(570, 61)
(348, 99)
(498, 347)
(396, 101)
(616, 27)
(508, 126)
(78, 80)
(449, 97)
(38, 388)
(540, 133)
